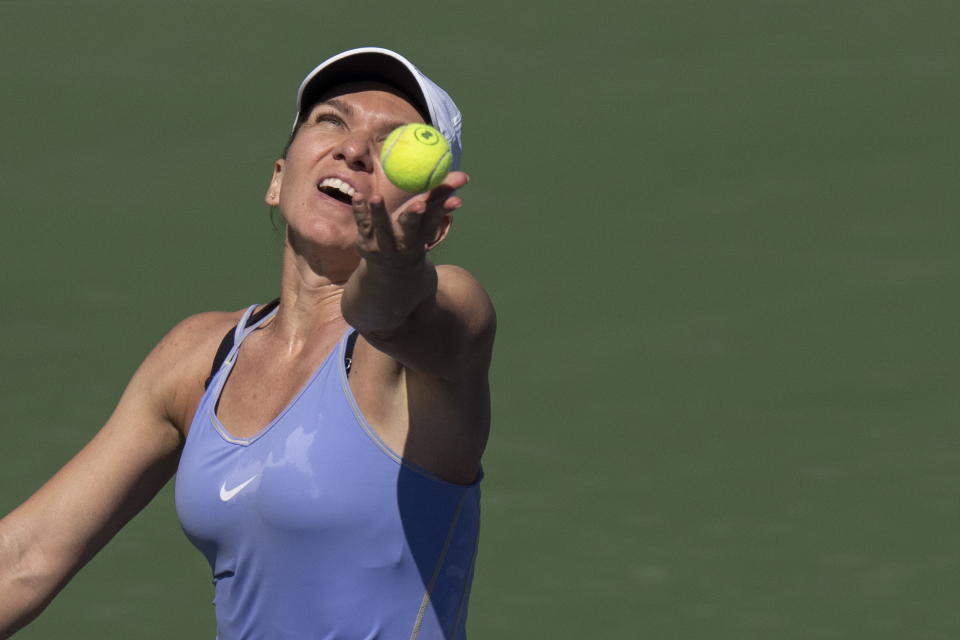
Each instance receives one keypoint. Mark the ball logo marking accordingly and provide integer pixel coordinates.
(426, 136)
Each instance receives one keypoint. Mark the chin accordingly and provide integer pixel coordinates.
(325, 232)
(322, 235)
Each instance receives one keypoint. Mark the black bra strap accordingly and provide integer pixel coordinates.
(348, 350)
(227, 343)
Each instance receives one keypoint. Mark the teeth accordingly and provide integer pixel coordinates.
(339, 185)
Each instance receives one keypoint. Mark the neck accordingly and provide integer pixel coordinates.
(310, 293)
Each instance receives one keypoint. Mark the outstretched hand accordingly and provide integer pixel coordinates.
(400, 238)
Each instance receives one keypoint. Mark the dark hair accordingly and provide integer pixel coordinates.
(296, 129)
(283, 154)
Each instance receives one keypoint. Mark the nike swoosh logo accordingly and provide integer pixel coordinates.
(226, 494)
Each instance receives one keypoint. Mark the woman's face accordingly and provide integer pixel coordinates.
(335, 153)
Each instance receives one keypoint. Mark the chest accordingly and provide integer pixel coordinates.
(256, 393)
(313, 467)
(262, 384)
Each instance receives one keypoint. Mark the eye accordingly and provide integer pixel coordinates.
(325, 117)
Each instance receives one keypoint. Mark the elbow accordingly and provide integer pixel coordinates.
(26, 580)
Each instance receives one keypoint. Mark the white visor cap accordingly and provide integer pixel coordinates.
(391, 68)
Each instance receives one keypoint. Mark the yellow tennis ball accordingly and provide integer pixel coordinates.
(416, 157)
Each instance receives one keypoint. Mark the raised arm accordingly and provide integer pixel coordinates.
(47, 539)
(434, 320)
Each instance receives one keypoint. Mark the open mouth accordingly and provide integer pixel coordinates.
(337, 189)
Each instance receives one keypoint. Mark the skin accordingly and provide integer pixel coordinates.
(419, 370)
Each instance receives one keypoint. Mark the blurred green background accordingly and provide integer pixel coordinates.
(721, 237)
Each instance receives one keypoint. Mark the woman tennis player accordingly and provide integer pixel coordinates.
(327, 445)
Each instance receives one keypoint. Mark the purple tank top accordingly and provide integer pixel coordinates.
(314, 528)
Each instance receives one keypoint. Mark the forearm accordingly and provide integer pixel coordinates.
(378, 299)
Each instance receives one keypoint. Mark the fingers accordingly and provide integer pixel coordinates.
(410, 222)
(381, 235)
(452, 203)
(435, 214)
(456, 179)
(445, 189)
(363, 216)
(373, 224)
(409, 228)
(441, 202)
(382, 225)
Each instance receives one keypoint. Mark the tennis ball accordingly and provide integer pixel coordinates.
(416, 157)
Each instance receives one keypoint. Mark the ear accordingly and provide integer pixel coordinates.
(442, 230)
(276, 182)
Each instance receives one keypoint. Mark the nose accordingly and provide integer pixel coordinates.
(356, 151)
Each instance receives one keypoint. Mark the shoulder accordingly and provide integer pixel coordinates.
(459, 277)
(195, 335)
(175, 370)
(459, 291)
